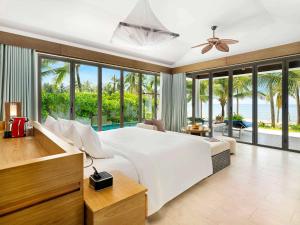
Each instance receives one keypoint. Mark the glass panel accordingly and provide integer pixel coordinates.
(201, 101)
(158, 96)
(86, 94)
(294, 105)
(148, 82)
(131, 98)
(269, 105)
(189, 96)
(242, 105)
(220, 100)
(111, 98)
(55, 88)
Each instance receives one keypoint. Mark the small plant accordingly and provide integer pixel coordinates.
(219, 118)
(237, 117)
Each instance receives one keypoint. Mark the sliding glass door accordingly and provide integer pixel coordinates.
(269, 105)
(86, 94)
(111, 101)
(55, 88)
(189, 97)
(294, 105)
(202, 99)
(131, 98)
(220, 100)
(148, 99)
(242, 105)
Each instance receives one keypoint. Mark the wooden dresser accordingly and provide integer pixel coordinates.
(41, 180)
(125, 203)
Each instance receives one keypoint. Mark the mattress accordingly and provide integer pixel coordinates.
(117, 162)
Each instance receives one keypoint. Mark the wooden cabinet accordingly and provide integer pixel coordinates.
(125, 203)
(41, 180)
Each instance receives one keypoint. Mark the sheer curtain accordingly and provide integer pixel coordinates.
(179, 102)
(173, 101)
(17, 78)
(165, 103)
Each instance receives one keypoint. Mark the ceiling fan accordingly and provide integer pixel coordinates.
(220, 44)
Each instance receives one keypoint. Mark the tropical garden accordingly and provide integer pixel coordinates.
(56, 95)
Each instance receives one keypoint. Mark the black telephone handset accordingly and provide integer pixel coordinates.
(96, 174)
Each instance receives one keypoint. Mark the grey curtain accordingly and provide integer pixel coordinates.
(179, 102)
(173, 101)
(166, 99)
(17, 78)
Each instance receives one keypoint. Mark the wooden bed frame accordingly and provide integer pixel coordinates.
(41, 180)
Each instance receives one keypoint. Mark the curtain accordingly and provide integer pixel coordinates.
(179, 102)
(173, 102)
(17, 78)
(166, 99)
(197, 98)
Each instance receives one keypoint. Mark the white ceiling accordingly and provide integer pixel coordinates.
(256, 24)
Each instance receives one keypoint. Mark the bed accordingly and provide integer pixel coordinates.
(166, 163)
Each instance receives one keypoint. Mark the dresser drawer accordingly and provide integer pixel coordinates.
(64, 210)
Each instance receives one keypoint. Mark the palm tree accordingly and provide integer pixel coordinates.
(270, 82)
(203, 95)
(294, 89)
(49, 67)
(131, 83)
(221, 90)
(242, 86)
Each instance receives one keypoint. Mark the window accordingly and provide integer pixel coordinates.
(148, 100)
(294, 105)
(111, 102)
(55, 88)
(189, 97)
(242, 105)
(131, 98)
(70, 89)
(269, 107)
(86, 94)
(220, 103)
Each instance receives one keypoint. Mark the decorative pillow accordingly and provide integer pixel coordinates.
(146, 126)
(159, 125)
(148, 122)
(91, 141)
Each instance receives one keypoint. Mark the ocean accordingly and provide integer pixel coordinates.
(263, 111)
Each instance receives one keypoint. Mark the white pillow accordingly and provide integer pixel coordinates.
(65, 125)
(53, 125)
(146, 126)
(72, 134)
(91, 141)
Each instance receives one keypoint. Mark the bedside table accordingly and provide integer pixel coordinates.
(125, 203)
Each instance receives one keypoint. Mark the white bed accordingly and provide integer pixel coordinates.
(166, 163)
(117, 162)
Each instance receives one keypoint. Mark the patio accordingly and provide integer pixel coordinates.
(265, 137)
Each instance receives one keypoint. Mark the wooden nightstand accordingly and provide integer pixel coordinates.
(125, 203)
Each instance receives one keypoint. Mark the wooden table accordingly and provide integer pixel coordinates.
(125, 203)
(198, 132)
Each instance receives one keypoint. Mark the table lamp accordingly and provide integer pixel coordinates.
(12, 110)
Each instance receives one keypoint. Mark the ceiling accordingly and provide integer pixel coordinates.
(256, 24)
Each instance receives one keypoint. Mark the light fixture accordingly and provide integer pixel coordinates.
(12, 110)
(142, 27)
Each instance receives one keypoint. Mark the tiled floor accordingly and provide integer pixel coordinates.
(261, 187)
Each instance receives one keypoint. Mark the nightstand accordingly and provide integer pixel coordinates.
(125, 203)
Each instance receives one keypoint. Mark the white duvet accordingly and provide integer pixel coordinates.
(167, 164)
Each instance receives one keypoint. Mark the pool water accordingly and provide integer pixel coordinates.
(115, 125)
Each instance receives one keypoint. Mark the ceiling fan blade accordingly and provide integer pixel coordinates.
(200, 45)
(207, 48)
(229, 41)
(222, 47)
